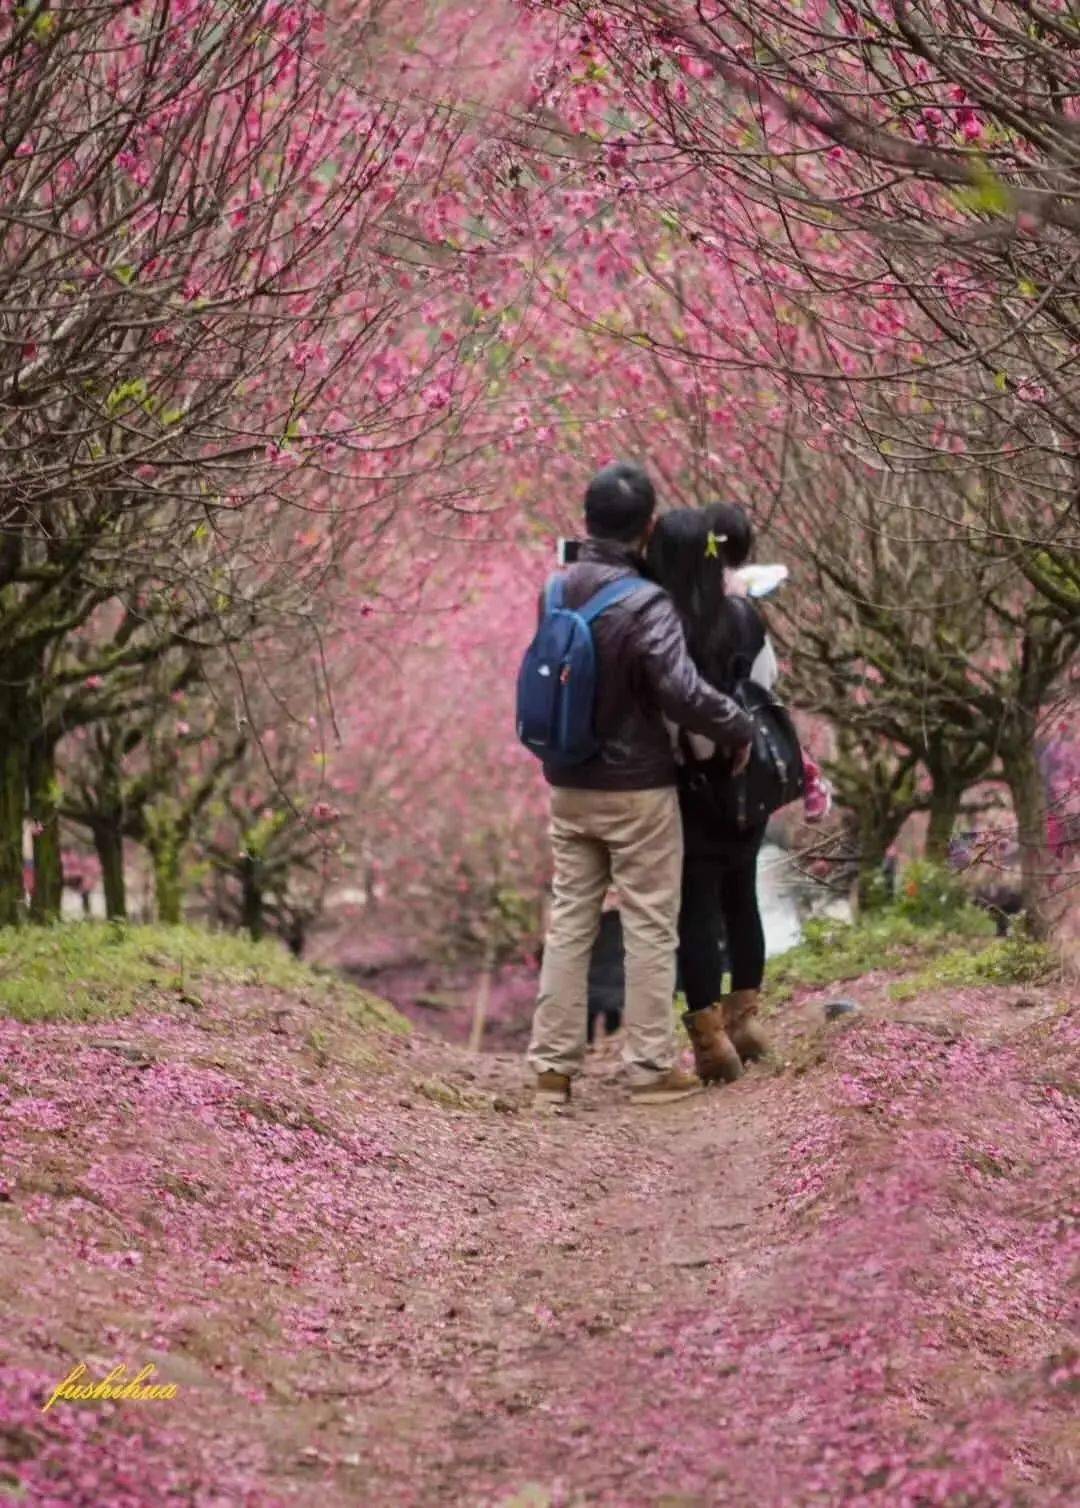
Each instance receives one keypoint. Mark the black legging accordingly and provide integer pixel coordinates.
(719, 901)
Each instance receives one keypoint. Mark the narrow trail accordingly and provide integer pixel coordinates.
(378, 1278)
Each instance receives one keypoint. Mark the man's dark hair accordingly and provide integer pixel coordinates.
(619, 502)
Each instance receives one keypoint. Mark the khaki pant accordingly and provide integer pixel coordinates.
(633, 840)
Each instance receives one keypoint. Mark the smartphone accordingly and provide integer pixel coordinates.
(567, 551)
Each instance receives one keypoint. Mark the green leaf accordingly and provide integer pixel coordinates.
(132, 391)
(1028, 288)
(1001, 381)
(125, 273)
(1056, 574)
(988, 195)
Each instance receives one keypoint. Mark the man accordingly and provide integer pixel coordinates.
(615, 818)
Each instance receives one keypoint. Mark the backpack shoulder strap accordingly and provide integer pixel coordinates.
(608, 595)
(554, 593)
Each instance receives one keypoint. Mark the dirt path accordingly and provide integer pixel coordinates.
(382, 1280)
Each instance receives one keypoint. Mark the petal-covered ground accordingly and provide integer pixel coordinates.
(377, 1278)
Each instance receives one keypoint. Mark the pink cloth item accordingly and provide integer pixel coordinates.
(817, 793)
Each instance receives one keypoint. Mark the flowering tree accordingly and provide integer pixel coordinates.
(443, 806)
(147, 774)
(907, 158)
(104, 776)
(844, 204)
(306, 314)
(208, 242)
(269, 842)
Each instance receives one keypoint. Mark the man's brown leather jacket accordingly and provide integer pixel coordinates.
(644, 675)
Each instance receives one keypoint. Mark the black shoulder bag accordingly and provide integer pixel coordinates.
(774, 776)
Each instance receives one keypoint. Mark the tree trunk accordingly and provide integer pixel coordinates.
(878, 791)
(876, 832)
(165, 855)
(1028, 792)
(296, 936)
(44, 796)
(13, 761)
(109, 843)
(945, 799)
(251, 905)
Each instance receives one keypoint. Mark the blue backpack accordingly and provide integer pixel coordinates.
(556, 691)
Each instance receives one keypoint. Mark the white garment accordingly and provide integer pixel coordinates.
(766, 668)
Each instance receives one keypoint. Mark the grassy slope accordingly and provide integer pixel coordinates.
(957, 950)
(88, 970)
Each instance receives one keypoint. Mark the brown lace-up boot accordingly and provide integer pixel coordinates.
(715, 1057)
(742, 1025)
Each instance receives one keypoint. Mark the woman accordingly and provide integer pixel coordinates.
(689, 553)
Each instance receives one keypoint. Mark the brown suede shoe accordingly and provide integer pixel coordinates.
(715, 1057)
(552, 1089)
(673, 1085)
(742, 1026)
